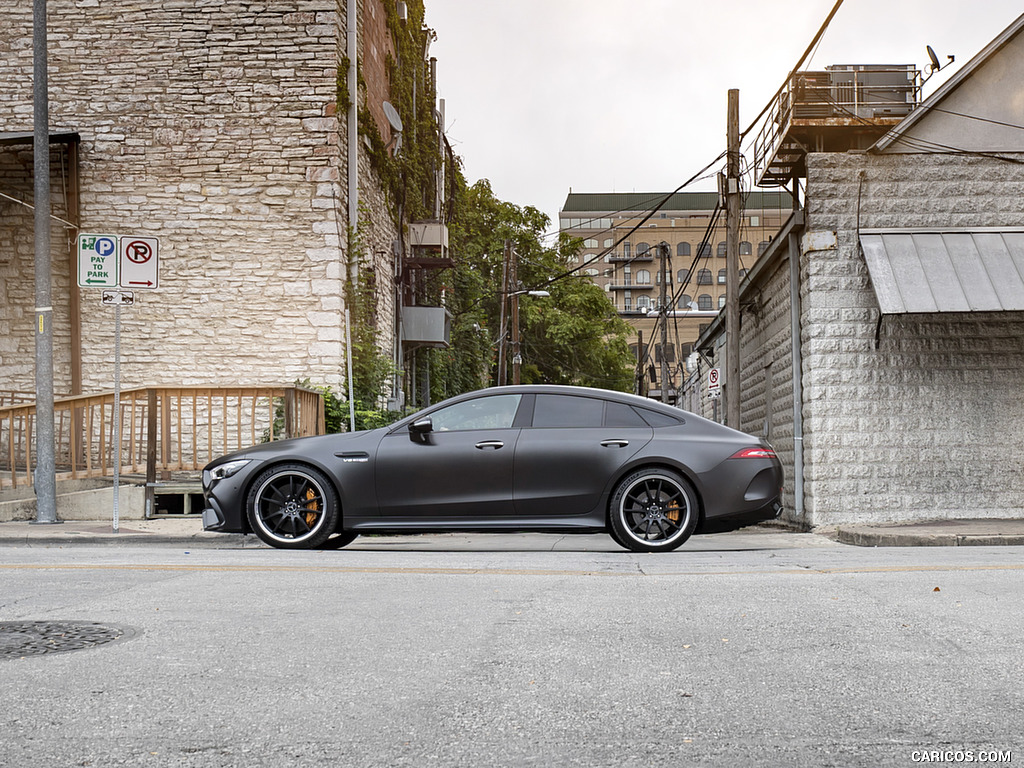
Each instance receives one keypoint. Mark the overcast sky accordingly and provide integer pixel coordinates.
(631, 95)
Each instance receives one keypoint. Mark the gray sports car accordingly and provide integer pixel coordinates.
(523, 458)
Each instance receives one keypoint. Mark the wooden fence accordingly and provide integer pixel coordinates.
(162, 429)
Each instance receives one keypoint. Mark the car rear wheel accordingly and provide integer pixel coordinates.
(292, 506)
(653, 510)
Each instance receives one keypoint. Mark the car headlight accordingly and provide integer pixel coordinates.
(222, 471)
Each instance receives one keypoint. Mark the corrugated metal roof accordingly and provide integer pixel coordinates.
(978, 270)
(637, 202)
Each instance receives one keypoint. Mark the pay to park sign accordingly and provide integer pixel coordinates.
(110, 261)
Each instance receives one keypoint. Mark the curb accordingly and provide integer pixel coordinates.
(877, 538)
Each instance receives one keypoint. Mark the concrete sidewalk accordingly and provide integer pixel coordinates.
(187, 531)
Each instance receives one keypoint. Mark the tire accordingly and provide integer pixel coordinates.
(292, 506)
(339, 540)
(653, 510)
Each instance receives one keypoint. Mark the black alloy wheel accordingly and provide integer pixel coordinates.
(653, 510)
(292, 506)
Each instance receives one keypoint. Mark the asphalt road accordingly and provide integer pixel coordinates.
(747, 649)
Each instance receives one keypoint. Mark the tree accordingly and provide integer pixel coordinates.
(572, 337)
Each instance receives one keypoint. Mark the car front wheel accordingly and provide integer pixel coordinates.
(653, 510)
(292, 506)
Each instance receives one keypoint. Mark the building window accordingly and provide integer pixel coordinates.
(643, 277)
(590, 272)
(721, 250)
(669, 353)
(704, 277)
(609, 242)
(668, 277)
(743, 273)
(626, 249)
(721, 277)
(684, 301)
(721, 301)
(762, 247)
(746, 249)
(682, 276)
(683, 249)
(643, 302)
(642, 248)
(704, 302)
(705, 251)
(590, 243)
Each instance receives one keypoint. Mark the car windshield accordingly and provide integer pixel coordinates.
(494, 412)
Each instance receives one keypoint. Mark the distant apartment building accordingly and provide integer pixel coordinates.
(621, 254)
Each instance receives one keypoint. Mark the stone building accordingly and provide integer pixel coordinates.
(903, 277)
(216, 128)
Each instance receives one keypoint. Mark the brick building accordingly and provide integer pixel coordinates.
(903, 277)
(215, 128)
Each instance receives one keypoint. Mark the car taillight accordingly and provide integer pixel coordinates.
(754, 453)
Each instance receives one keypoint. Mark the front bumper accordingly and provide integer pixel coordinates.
(213, 518)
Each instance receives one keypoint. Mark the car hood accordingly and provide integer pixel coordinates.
(362, 440)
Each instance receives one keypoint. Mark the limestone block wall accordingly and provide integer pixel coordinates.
(17, 271)
(927, 425)
(212, 126)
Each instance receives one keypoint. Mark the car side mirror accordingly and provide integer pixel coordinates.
(420, 428)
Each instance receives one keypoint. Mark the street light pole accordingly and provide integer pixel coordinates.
(45, 471)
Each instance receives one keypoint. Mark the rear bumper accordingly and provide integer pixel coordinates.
(769, 511)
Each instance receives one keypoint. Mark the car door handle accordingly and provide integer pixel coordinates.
(495, 444)
(619, 443)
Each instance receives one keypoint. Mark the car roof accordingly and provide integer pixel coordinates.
(555, 389)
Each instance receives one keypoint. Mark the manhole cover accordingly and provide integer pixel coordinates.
(34, 638)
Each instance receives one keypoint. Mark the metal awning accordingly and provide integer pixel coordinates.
(23, 137)
(953, 270)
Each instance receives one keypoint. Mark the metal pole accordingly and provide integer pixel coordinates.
(663, 251)
(45, 473)
(117, 408)
(351, 387)
(732, 261)
(352, 79)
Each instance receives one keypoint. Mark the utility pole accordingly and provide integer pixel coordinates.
(502, 330)
(517, 359)
(45, 472)
(732, 261)
(663, 252)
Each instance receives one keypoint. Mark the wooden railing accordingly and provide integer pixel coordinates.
(161, 429)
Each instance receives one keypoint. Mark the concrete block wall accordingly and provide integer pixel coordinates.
(214, 127)
(767, 372)
(928, 425)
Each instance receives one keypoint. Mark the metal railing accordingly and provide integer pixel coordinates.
(837, 96)
(161, 429)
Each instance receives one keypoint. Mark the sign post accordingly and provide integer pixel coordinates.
(118, 261)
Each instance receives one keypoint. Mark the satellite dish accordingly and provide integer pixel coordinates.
(392, 115)
(935, 59)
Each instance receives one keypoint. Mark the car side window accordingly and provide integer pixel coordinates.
(567, 411)
(657, 419)
(494, 412)
(621, 415)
